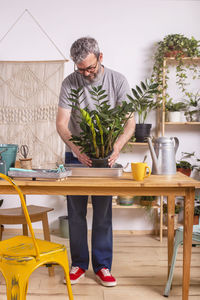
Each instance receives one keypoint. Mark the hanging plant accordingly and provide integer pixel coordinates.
(177, 46)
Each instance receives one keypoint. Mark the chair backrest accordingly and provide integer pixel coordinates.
(26, 214)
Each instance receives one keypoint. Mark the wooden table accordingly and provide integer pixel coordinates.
(155, 185)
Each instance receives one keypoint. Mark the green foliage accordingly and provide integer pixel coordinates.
(178, 106)
(101, 127)
(177, 46)
(197, 210)
(178, 42)
(182, 163)
(148, 198)
(178, 208)
(143, 101)
(193, 102)
(193, 98)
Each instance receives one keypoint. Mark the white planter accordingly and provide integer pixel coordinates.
(174, 116)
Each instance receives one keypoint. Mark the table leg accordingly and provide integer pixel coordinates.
(161, 218)
(170, 227)
(187, 240)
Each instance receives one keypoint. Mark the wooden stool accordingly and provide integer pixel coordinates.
(16, 216)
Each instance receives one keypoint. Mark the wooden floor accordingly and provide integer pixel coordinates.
(139, 265)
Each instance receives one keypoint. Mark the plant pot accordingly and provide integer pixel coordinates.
(184, 171)
(196, 220)
(174, 53)
(100, 162)
(142, 131)
(174, 116)
(125, 200)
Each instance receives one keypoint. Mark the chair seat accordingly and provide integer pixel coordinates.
(35, 213)
(22, 246)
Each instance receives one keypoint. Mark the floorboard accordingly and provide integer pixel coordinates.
(139, 265)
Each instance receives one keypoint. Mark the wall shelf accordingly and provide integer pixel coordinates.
(128, 206)
(137, 144)
(182, 123)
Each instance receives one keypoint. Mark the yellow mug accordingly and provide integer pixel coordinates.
(139, 171)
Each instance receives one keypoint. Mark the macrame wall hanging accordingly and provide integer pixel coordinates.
(29, 92)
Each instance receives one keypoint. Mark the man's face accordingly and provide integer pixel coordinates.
(90, 68)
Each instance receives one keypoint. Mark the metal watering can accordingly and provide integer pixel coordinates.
(163, 155)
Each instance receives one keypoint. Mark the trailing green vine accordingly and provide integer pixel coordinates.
(177, 46)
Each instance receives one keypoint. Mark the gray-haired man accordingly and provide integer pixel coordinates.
(88, 72)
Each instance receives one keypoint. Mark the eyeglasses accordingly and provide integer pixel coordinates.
(90, 69)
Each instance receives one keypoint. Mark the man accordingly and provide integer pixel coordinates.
(89, 72)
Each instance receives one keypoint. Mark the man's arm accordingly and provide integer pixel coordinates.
(129, 129)
(62, 121)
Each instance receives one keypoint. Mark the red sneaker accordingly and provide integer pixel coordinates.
(75, 275)
(105, 277)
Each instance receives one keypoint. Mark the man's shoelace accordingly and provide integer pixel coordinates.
(74, 270)
(106, 272)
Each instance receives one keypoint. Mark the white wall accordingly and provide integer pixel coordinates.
(127, 31)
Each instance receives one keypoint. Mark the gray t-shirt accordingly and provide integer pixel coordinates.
(114, 83)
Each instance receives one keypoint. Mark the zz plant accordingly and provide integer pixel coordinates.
(100, 127)
(143, 100)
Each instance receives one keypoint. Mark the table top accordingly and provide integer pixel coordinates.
(111, 186)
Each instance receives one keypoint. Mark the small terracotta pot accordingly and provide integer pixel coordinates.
(174, 53)
(184, 171)
(196, 220)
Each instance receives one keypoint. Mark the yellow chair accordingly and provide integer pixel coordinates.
(21, 255)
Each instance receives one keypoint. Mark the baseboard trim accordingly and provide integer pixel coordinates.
(56, 231)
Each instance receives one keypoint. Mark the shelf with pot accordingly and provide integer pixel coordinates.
(193, 98)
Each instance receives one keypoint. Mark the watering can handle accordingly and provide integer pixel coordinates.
(176, 143)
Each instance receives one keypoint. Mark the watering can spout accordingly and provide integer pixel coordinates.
(153, 155)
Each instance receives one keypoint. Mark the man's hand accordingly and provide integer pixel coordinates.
(122, 140)
(82, 157)
(113, 157)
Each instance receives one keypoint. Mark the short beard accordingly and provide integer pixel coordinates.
(96, 77)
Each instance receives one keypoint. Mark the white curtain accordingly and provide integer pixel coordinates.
(29, 94)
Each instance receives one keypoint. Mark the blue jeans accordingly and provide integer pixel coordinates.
(102, 240)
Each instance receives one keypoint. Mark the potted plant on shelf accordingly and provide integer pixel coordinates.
(175, 110)
(176, 46)
(101, 127)
(178, 209)
(196, 214)
(148, 201)
(183, 165)
(193, 112)
(143, 102)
